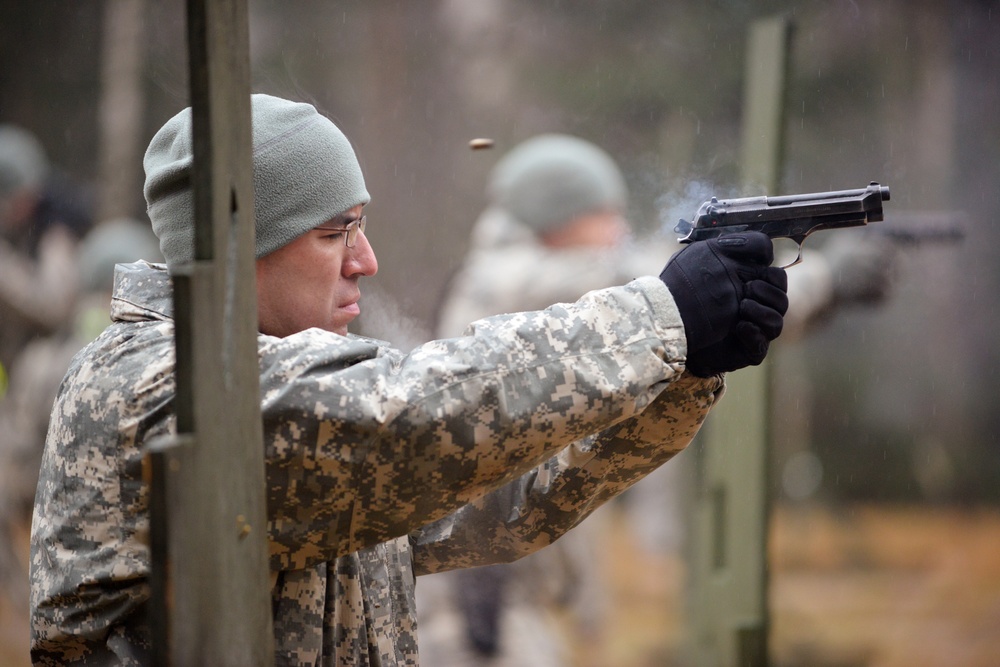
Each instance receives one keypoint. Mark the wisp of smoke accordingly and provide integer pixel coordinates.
(384, 318)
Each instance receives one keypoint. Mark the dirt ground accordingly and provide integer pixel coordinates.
(857, 587)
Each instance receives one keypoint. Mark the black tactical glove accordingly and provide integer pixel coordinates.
(760, 321)
(730, 300)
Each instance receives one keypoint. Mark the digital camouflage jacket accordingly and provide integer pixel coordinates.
(380, 465)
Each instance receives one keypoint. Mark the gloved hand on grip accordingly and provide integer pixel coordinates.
(760, 322)
(732, 302)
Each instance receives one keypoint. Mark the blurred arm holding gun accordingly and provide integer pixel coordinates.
(857, 268)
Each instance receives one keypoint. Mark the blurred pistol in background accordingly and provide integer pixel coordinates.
(792, 216)
(916, 228)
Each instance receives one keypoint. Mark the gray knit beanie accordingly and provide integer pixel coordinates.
(23, 164)
(305, 172)
(113, 242)
(552, 178)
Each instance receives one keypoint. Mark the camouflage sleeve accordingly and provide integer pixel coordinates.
(535, 509)
(416, 436)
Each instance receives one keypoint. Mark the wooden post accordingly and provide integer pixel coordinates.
(211, 602)
(729, 542)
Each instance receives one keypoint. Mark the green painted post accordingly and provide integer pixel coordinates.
(211, 601)
(729, 570)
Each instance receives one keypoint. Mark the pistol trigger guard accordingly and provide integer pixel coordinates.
(798, 256)
(799, 239)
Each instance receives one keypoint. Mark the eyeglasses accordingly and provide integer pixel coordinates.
(350, 230)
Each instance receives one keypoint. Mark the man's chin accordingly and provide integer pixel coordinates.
(340, 325)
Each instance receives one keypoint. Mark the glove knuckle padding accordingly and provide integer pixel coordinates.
(708, 281)
(767, 295)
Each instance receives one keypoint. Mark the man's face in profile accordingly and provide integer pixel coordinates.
(314, 280)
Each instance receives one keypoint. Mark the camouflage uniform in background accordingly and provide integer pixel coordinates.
(377, 463)
(43, 215)
(24, 419)
(34, 382)
(509, 269)
(36, 293)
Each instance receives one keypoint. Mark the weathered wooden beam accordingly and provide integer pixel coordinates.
(211, 602)
(729, 567)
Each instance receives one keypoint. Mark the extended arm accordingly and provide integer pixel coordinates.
(537, 508)
(364, 445)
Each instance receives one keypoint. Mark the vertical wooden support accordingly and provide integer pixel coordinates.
(211, 602)
(729, 615)
(762, 156)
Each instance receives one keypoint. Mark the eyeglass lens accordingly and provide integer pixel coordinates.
(352, 231)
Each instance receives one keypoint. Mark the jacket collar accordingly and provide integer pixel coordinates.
(142, 291)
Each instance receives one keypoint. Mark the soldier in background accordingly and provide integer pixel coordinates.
(556, 227)
(34, 381)
(43, 215)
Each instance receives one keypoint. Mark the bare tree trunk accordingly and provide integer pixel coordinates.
(121, 107)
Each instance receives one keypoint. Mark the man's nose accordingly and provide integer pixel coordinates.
(361, 258)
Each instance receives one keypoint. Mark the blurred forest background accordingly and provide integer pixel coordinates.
(897, 404)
